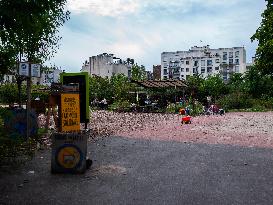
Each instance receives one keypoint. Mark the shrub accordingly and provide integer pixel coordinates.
(120, 106)
(235, 101)
(172, 108)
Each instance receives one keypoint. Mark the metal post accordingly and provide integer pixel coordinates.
(28, 99)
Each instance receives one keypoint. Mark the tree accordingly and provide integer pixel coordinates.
(29, 28)
(138, 72)
(7, 60)
(100, 88)
(194, 87)
(237, 83)
(258, 84)
(121, 87)
(264, 35)
(214, 86)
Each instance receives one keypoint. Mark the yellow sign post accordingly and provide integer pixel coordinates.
(70, 112)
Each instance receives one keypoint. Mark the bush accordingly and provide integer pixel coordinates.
(120, 106)
(172, 108)
(235, 101)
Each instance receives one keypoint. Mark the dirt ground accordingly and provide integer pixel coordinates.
(243, 128)
(151, 159)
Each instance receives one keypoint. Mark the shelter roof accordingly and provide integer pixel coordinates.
(161, 83)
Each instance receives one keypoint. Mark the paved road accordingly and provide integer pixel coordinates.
(133, 171)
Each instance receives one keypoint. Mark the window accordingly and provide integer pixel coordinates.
(203, 70)
(165, 72)
(230, 54)
(187, 70)
(224, 55)
(217, 60)
(237, 61)
(209, 69)
(237, 69)
(195, 63)
(182, 69)
(203, 63)
(194, 70)
(230, 61)
(182, 62)
(217, 68)
(237, 53)
(209, 62)
(187, 62)
(176, 70)
(182, 76)
(187, 77)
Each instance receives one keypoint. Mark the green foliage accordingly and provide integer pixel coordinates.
(172, 108)
(7, 60)
(214, 86)
(237, 83)
(38, 91)
(121, 87)
(100, 88)
(115, 89)
(9, 93)
(264, 36)
(138, 72)
(258, 84)
(30, 28)
(195, 87)
(120, 106)
(235, 100)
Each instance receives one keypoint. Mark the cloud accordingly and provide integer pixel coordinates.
(143, 29)
(112, 8)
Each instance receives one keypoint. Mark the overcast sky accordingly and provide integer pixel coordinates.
(143, 29)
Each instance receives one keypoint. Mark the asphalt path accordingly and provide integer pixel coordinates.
(134, 171)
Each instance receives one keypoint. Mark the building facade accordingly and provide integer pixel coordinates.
(156, 72)
(106, 65)
(204, 61)
(48, 76)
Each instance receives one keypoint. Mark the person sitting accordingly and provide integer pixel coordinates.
(187, 110)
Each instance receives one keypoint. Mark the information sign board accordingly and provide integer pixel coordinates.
(35, 70)
(70, 112)
(23, 69)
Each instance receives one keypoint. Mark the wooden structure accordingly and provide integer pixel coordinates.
(161, 83)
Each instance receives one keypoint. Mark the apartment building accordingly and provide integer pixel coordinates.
(106, 65)
(203, 60)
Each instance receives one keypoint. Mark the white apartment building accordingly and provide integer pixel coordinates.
(106, 65)
(204, 61)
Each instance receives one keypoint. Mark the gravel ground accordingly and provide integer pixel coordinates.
(244, 128)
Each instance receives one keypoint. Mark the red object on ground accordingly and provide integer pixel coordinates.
(186, 119)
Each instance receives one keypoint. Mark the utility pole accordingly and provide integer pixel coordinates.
(28, 99)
